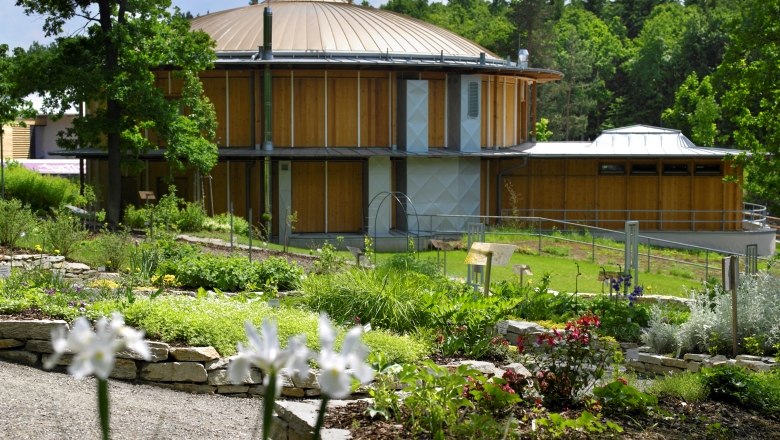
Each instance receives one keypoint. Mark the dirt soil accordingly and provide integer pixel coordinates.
(674, 420)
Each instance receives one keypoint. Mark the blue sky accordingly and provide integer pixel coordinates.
(20, 30)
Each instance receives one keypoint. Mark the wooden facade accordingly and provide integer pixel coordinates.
(680, 194)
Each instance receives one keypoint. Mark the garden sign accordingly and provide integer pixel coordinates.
(488, 254)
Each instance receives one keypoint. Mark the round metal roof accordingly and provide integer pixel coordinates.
(334, 28)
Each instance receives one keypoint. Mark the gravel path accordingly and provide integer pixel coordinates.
(36, 404)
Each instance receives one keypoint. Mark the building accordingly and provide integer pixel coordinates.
(363, 121)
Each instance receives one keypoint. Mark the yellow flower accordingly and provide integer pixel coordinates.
(38, 248)
(155, 278)
(56, 251)
(169, 280)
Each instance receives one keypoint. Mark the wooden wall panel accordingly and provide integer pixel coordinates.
(547, 167)
(582, 167)
(436, 112)
(308, 195)
(676, 196)
(374, 112)
(510, 126)
(515, 197)
(497, 118)
(522, 112)
(709, 191)
(643, 196)
(280, 119)
(216, 187)
(342, 112)
(309, 112)
(611, 201)
(215, 88)
(241, 115)
(580, 197)
(345, 196)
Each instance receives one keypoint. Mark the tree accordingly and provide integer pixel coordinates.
(587, 52)
(750, 79)
(12, 106)
(478, 21)
(110, 67)
(695, 111)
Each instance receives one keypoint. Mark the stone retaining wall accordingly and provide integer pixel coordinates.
(657, 364)
(191, 369)
(75, 272)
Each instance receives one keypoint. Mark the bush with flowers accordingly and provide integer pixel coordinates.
(569, 362)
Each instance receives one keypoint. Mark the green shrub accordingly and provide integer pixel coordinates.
(15, 220)
(41, 192)
(410, 262)
(390, 300)
(63, 233)
(620, 397)
(191, 217)
(621, 319)
(686, 386)
(221, 223)
(233, 273)
(740, 386)
(136, 218)
(660, 335)
(108, 249)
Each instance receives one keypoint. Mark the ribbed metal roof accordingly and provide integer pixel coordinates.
(333, 27)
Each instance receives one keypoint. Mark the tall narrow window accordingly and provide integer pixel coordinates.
(473, 111)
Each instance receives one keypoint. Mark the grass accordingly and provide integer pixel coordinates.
(686, 386)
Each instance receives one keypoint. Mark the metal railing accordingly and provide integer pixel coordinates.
(546, 230)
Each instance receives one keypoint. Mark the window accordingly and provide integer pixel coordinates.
(473, 110)
(612, 168)
(708, 169)
(644, 168)
(676, 168)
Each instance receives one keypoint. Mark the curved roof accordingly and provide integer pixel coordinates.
(335, 31)
(332, 27)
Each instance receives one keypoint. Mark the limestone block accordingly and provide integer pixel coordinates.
(660, 369)
(64, 360)
(673, 362)
(17, 329)
(174, 372)
(307, 381)
(158, 350)
(124, 369)
(754, 365)
(523, 327)
(286, 378)
(19, 357)
(10, 343)
(312, 392)
(696, 357)
(39, 346)
(218, 363)
(193, 354)
(257, 390)
(186, 387)
(694, 367)
(293, 392)
(519, 369)
(232, 389)
(220, 377)
(653, 359)
(747, 357)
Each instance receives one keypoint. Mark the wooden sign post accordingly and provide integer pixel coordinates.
(488, 254)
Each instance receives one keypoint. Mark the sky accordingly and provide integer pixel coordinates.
(20, 30)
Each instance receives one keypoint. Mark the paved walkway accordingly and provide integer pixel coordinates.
(37, 404)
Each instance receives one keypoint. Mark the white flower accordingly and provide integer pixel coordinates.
(335, 378)
(95, 352)
(264, 352)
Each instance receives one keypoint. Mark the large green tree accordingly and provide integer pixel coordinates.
(587, 52)
(750, 79)
(110, 67)
(13, 106)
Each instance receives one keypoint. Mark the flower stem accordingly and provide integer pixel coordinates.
(268, 404)
(321, 417)
(103, 407)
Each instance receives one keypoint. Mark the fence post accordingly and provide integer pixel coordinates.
(730, 279)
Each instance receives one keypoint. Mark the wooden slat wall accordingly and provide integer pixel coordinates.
(280, 101)
(374, 110)
(611, 195)
(21, 142)
(241, 112)
(436, 108)
(215, 86)
(510, 126)
(309, 112)
(642, 195)
(345, 196)
(676, 195)
(709, 192)
(486, 108)
(522, 112)
(308, 196)
(342, 109)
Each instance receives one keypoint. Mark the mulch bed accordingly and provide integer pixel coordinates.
(674, 420)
